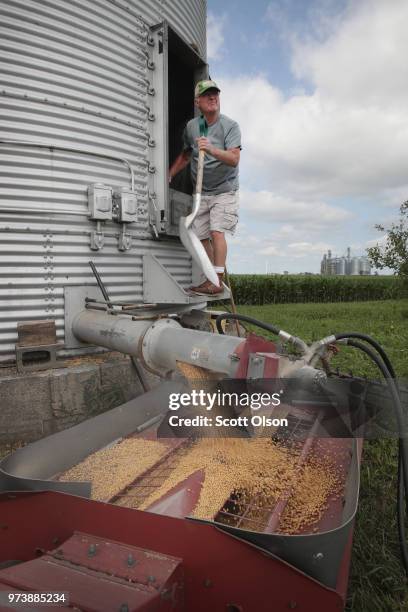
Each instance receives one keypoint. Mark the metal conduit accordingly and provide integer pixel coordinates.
(28, 143)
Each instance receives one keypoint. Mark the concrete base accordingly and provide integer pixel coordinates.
(35, 404)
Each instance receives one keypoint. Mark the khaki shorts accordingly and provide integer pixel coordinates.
(217, 213)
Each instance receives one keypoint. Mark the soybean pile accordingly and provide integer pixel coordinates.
(256, 472)
(111, 469)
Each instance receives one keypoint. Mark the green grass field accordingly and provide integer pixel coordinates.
(377, 581)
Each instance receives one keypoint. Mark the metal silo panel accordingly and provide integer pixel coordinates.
(365, 267)
(355, 266)
(37, 262)
(332, 266)
(62, 52)
(75, 76)
(188, 17)
(340, 266)
(63, 85)
(149, 11)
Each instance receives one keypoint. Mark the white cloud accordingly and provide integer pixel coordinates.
(356, 248)
(295, 249)
(339, 137)
(285, 230)
(313, 146)
(244, 239)
(276, 14)
(277, 208)
(270, 250)
(348, 136)
(305, 249)
(381, 242)
(318, 18)
(361, 61)
(215, 36)
(394, 196)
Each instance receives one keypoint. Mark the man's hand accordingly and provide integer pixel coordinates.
(204, 145)
(229, 156)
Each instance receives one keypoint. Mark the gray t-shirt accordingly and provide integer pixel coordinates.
(223, 134)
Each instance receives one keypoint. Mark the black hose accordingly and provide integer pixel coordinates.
(400, 510)
(389, 374)
(385, 372)
(373, 343)
(239, 317)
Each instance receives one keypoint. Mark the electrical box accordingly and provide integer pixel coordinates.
(100, 202)
(126, 205)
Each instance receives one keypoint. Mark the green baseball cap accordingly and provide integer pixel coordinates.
(203, 86)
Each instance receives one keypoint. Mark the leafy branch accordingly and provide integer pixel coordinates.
(394, 252)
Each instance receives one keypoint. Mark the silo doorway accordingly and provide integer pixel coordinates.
(183, 62)
(180, 67)
(185, 68)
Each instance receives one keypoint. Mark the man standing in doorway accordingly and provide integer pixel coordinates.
(218, 213)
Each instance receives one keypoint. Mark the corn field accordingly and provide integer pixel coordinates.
(260, 289)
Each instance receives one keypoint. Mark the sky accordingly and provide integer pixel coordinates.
(320, 91)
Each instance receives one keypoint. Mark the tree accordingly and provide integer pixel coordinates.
(394, 252)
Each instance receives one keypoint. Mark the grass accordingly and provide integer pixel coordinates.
(377, 580)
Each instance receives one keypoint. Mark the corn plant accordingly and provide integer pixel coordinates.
(259, 289)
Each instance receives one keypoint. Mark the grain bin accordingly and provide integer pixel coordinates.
(94, 98)
(355, 266)
(365, 266)
(340, 266)
(332, 266)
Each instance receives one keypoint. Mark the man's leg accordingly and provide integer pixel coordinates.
(216, 249)
(219, 248)
(223, 217)
(208, 249)
(201, 227)
(206, 242)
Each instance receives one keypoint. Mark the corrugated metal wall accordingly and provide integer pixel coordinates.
(189, 19)
(74, 74)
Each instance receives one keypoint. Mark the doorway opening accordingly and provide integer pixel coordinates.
(185, 68)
